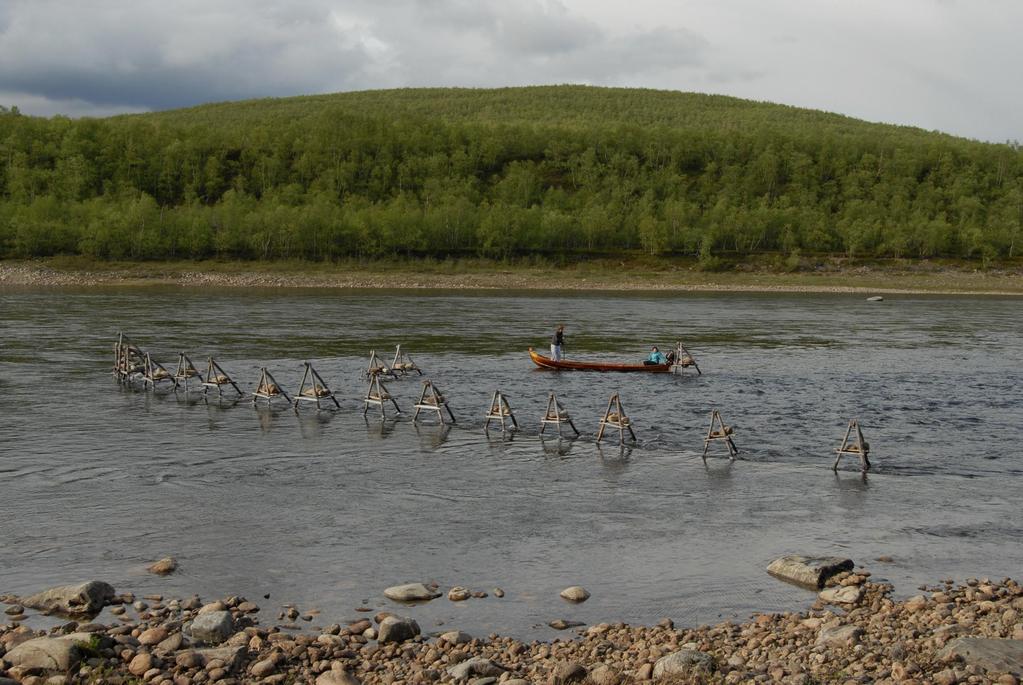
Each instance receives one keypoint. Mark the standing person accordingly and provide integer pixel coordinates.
(558, 343)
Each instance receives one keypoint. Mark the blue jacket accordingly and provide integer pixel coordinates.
(657, 358)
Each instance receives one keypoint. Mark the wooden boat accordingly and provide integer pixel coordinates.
(573, 365)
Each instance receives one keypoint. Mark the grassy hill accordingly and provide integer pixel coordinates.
(553, 170)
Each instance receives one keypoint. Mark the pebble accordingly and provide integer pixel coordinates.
(878, 640)
(458, 594)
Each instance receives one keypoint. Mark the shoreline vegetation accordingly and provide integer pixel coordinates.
(854, 632)
(501, 173)
(831, 276)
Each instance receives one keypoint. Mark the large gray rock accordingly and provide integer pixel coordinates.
(808, 571)
(410, 592)
(213, 627)
(48, 653)
(992, 654)
(72, 600)
(683, 662)
(477, 666)
(397, 629)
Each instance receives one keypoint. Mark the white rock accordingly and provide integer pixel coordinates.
(410, 592)
(843, 594)
(575, 594)
(456, 637)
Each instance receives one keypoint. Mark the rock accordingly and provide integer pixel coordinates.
(992, 654)
(808, 571)
(946, 677)
(213, 627)
(458, 594)
(605, 675)
(359, 627)
(456, 637)
(410, 592)
(844, 594)
(153, 636)
(498, 592)
(875, 298)
(682, 663)
(14, 610)
(915, 603)
(164, 566)
(171, 644)
(337, 675)
(476, 666)
(570, 672)
(212, 606)
(397, 629)
(142, 662)
(228, 657)
(47, 653)
(73, 600)
(645, 672)
(840, 636)
(265, 667)
(562, 624)
(575, 594)
(189, 659)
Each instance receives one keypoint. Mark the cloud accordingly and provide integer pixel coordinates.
(152, 55)
(931, 63)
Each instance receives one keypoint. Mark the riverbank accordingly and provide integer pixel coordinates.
(853, 633)
(894, 278)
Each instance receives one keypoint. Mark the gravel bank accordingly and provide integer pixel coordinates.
(968, 633)
(853, 281)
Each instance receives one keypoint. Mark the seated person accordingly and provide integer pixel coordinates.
(655, 357)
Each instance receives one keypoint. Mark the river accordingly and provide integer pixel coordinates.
(326, 509)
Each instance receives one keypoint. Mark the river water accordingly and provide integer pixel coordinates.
(326, 509)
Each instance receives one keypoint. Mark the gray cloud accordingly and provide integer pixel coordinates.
(932, 63)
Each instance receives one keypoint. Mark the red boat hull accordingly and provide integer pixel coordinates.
(570, 365)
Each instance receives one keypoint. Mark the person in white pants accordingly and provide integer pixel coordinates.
(558, 343)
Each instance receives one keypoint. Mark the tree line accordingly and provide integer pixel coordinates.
(499, 173)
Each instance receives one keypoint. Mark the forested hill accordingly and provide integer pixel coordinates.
(554, 170)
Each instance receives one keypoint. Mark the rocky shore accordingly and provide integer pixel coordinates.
(853, 633)
(860, 280)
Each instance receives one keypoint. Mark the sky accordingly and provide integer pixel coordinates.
(945, 65)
